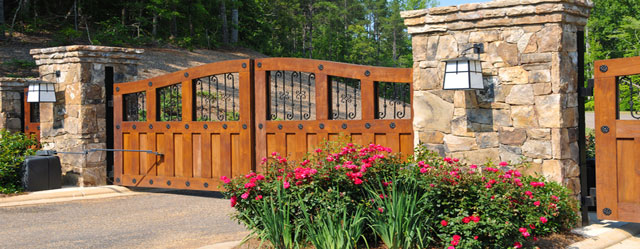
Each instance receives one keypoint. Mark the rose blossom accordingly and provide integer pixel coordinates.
(234, 201)
(444, 223)
(543, 219)
(225, 179)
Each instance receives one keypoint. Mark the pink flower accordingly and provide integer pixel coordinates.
(526, 234)
(543, 219)
(522, 230)
(225, 179)
(259, 197)
(245, 195)
(286, 184)
(234, 201)
(444, 223)
(423, 170)
(451, 247)
(536, 203)
(274, 153)
(555, 198)
(517, 245)
(475, 219)
(259, 177)
(318, 150)
(528, 193)
(249, 185)
(456, 237)
(431, 185)
(473, 166)
(330, 159)
(503, 164)
(357, 181)
(455, 242)
(381, 209)
(475, 237)
(532, 226)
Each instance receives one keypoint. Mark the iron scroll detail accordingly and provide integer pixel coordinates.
(633, 98)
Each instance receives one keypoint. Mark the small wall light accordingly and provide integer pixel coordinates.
(464, 73)
(42, 91)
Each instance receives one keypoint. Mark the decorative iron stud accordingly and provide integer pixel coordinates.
(206, 126)
(150, 84)
(117, 89)
(367, 125)
(606, 211)
(168, 126)
(244, 65)
(300, 126)
(224, 126)
(186, 74)
(321, 126)
(259, 64)
(206, 184)
(279, 127)
(604, 68)
(392, 125)
(168, 183)
(118, 179)
(26, 127)
(133, 126)
(604, 129)
(186, 126)
(150, 182)
(321, 67)
(367, 73)
(150, 126)
(117, 126)
(244, 126)
(187, 183)
(344, 126)
(134, 180)
(259, 126)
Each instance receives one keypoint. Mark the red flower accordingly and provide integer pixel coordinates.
(444, 223)
(517, 245)
(522, 230)
(536, 203)
(532, 226)
(225, 179)
(475, 219)
(526, 234)
(357, 181)
(234, 201)
(286, 185)
(245, 195)
(455, 242)
(381, 209)
(457, 237)
(475, 237)
(503, 164)
(259, 197)
(466, 220)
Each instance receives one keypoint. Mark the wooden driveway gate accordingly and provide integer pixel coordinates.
(221, 118)
(617, 138)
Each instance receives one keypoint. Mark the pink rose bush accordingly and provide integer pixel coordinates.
(448, 203)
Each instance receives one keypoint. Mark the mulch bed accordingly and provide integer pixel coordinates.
(556, 240)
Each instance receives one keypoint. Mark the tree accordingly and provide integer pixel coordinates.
(2, 20)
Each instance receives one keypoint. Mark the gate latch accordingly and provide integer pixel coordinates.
(590, 200)
(586, 91)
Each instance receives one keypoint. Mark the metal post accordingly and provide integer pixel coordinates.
(581, 131)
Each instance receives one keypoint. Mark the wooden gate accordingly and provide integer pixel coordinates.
(617, 116)
(221, 118)
(31, 117)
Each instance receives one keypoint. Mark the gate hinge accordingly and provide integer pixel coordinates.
(586, 91)
(590, 200)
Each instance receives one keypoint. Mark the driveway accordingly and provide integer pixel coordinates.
(176, 219)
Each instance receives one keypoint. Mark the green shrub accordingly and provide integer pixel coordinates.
(14, 147)
(419, 203)
(590, 142)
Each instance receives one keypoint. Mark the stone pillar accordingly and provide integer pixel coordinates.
(11, 91)
(77, 121)
(529, 105)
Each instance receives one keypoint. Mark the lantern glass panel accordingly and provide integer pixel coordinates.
(463, 66)
(476, 81)
(451, 67)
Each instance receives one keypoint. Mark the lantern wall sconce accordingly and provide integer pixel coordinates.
(464, 73)
(41, 91)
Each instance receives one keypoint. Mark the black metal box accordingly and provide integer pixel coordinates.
(41, 173)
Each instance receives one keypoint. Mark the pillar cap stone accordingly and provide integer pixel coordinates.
(86, 53)
(500, 13)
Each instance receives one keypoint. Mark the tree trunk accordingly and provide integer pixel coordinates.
(2, 20)
(234, 25)
(190, 19)
(174, 24)
(124, 15)
(154, 25)
(225, 27)
(393, 48)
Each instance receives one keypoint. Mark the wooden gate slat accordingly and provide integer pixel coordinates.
(607, 188)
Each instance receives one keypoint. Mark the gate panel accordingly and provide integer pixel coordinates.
(618, 139)
(31, 118)
(200, 119)
(302, 102)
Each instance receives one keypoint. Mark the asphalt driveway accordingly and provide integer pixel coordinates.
(176, 219)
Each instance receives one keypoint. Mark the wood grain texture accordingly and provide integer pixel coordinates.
(606, 146)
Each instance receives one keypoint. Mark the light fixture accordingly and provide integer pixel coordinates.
(42, 91)
(464, 73)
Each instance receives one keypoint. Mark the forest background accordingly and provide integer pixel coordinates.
(369, 32)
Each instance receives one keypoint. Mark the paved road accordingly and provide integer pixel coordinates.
(177, 219)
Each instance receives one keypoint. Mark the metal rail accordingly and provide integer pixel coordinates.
(85, 152)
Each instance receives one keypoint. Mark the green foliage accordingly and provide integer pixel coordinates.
(425, 202)
(590, 142)
(14, 147)
(20, 63)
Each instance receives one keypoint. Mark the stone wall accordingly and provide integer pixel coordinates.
(11, 91)
(528, 109)
(77, 121)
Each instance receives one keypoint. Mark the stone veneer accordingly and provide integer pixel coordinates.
(11, 91)
(529, 105)
(77, 121)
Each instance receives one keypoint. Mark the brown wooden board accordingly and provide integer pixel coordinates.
(195, 154)
(31, 127)
(617, 145)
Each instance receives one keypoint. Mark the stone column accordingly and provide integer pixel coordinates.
(529, 105)
(11, 91)
(77, 121)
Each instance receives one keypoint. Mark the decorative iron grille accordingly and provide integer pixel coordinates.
(393, 100)
(135, 107)
(34, 115)
(345, 98)
(629, 96)
(292, 95)
(169, 104)
(217, 98)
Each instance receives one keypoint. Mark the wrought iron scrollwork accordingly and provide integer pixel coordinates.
(629, 93)
(290, 95)
(135, 107)
(393, 100)
(217, 98)
(345, 96)
(169, 104)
